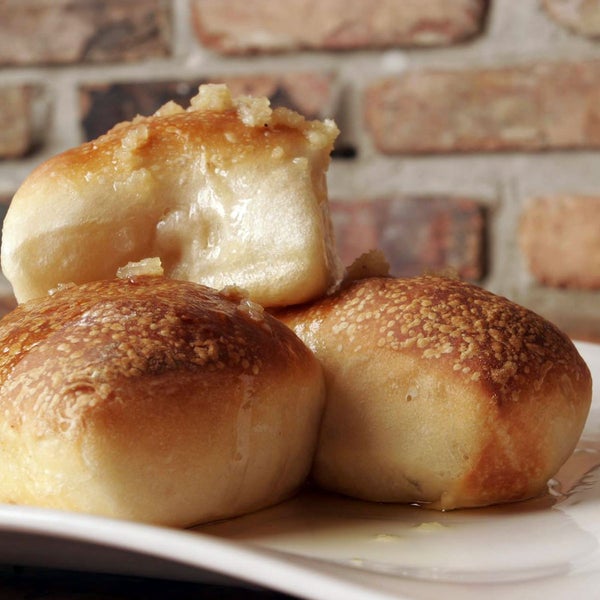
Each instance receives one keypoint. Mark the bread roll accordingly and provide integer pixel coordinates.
(227, 192)
(441, 393)
(153, 400)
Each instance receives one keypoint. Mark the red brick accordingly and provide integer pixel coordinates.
(416, 234)
(585, 332)
(309, 93)
(536, 107)
(104, 105)
(16, 121)
(355, 228)
(72, 31)
(580, 16)
(581, 325)
(240, 26)
(7, 302)
(560, 240)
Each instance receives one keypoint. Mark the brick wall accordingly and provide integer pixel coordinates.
(470, 129)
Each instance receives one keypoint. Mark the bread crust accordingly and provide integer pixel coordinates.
(227, 192)
(154, 400)
(440, 392)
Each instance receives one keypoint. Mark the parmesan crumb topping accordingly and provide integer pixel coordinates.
(482, 337)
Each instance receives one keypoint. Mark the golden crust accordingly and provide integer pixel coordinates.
(198, 188)
(464, 398)
(165, 401)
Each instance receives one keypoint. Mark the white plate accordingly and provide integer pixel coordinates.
(318, 546)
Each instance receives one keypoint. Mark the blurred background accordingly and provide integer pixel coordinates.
(470, 128)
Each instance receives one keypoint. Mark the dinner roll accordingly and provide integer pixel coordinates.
(441, 393)
(227, 192)
(154, 400)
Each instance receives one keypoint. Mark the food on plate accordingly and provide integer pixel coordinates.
(226, 192)
(153, 397)
(154, 400)
(441, 393)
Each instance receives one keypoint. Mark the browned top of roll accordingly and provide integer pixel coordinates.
(91, 337)
(176, 135)
(480, 337)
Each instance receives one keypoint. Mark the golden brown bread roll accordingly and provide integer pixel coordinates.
(154, 400)
(440, 392)
(227, 192)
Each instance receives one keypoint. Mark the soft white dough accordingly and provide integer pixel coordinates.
(226, 193)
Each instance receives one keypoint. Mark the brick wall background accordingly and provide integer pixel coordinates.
(470, 128)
